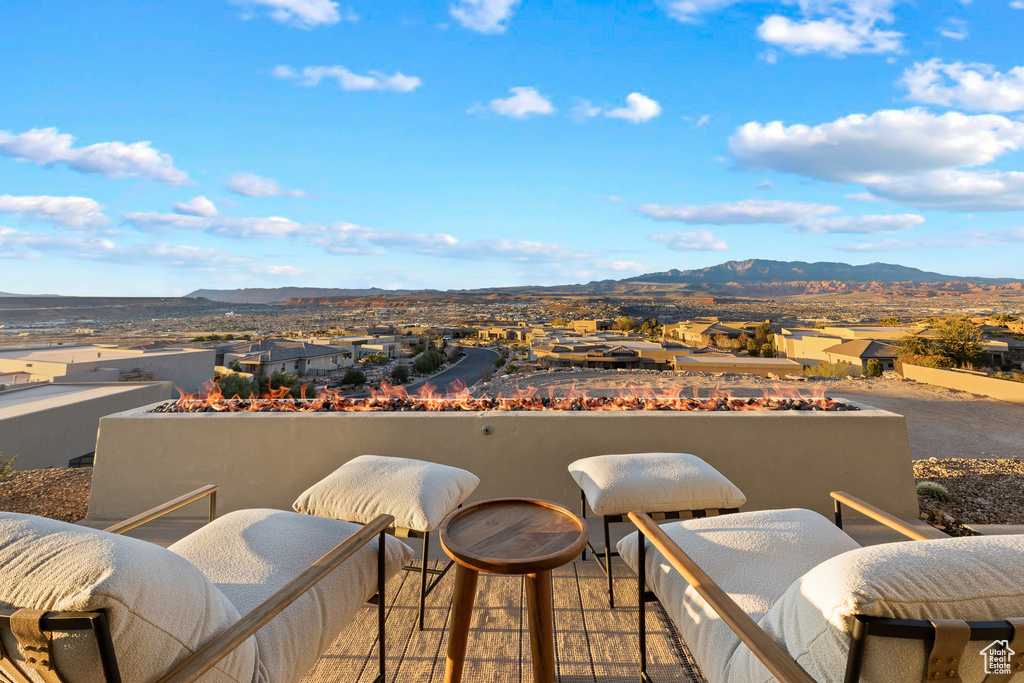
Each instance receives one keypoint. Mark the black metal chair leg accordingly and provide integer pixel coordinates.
(423, 578)
(641, 590)
(608, 565)
(583, 516)
(380, 609)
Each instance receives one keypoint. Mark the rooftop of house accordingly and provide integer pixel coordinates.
(23, 400)
(85, 353)
(275, 350)
(864, 348)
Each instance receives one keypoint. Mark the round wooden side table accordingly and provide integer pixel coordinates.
(509, 536)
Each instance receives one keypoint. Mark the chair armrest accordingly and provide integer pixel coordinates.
(771, 654)
(170, 506)
(204, 659)
(895, 523)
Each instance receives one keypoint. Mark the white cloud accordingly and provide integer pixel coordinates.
(955, 29)
(1017, 4)
(955, 190)
(831, 27)
(862, 148)
(864, 225)
(483, 16)
(227, 226)
(973, 87)
(197, 206)
(305, 14)
(829, 36)
(347, 238)
(586, 109)
(72, 212)
(50, 147)
(639, 109)
(698, 240)
(702, 121)
(252, 185)
(311, 76)
(745, 212)
(523, 102)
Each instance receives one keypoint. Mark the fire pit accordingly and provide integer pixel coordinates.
(457, 398)
(784, 449)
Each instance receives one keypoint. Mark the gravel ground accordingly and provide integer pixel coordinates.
(987, 491)
(60, 494)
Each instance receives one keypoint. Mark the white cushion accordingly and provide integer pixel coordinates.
(249, 554)
(419, 494)
(160, 607)
(753, 556)
(653, 482)
(974, 579)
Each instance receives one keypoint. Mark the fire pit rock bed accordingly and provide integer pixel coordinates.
(619, 403)
(779, 457)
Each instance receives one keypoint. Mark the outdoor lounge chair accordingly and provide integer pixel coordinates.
(255, 596)
(791, 597)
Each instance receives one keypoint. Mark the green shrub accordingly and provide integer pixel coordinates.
(236, 385)
(753, 348)
(767, 350)
(6, 465)
(873, 368)
(499, 361)
(511, 369)
(934, 490)
(826, 369)
(354, 376)
(429, 360)
(400, 374)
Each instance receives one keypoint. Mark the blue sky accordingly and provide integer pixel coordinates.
(157, 148)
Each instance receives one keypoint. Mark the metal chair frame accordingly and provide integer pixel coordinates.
(863, 626)
(423, 570)
(195, 665)
(607, 520)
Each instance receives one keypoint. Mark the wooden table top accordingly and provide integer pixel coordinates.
(513, 536)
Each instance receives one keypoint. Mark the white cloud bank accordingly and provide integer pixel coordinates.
(483, 16)
(971, 87)
(252, 185)
(305, 14)
(911, 156)
(50, 147)
(197, 206)
(834, 28)
(72, 212)
(312, 76)
(805, 217)
(522, 103)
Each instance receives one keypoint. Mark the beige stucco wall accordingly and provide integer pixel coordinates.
(779, 459)
(974, 383)
(53, 435)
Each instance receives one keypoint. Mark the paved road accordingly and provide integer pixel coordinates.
(477, 364)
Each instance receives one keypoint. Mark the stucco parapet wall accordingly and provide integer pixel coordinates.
(960, 380)
(779, 459)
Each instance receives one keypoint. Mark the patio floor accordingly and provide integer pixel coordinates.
(592, 642)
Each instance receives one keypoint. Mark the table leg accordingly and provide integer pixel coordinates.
(461, 616)
(542, 626)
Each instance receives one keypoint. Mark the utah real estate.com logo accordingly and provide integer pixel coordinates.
(997, 657)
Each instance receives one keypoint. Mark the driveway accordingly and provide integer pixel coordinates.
(478, 364)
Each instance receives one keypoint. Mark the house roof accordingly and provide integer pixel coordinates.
(276, 350)
(864, 348)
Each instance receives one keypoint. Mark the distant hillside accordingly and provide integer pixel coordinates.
(253, 295)
(760, 270)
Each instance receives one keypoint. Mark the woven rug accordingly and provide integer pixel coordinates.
(592, 643)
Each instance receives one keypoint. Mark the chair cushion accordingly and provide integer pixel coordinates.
(249, 554)
(653, 482)
(753, 556)
(419, 494)
(160, 607)
(974, 579)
